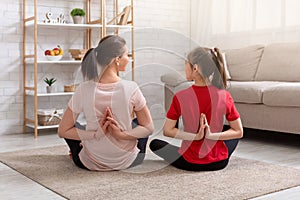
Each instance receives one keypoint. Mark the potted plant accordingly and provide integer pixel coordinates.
(77, 15)
(49, 83)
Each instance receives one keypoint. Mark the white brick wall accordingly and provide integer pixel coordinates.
(11, 98)
(168, 25)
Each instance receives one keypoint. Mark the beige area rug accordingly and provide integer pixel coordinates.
(242, 179)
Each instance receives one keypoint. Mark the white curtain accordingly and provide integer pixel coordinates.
(238, 23)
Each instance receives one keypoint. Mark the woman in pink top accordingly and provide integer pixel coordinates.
(203, 107)
(108, 142)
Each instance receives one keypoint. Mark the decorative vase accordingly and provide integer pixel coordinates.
(77, 19)
(49, 89)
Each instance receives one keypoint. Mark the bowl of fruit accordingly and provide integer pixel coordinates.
(54, 54)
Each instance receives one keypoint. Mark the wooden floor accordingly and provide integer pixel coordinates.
(278, 148)
(273, 147)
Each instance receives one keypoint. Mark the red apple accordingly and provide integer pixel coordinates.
(47, 52)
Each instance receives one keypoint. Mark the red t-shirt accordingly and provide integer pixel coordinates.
(216, 104)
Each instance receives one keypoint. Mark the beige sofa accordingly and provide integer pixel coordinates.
(264, 83)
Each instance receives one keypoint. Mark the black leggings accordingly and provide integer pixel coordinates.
(170, 153)
(75, 148)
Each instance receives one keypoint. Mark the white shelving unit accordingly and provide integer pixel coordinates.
(31, 25)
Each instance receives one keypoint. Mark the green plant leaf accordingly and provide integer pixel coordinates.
(50, 81)
(77, 12)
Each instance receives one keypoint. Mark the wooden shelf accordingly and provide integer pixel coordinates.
(119, 26)
(50, 94)
(67, 26)
(41, 127)
(55, 62)
(81, 121)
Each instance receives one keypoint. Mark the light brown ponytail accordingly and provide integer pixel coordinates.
(211, 63)
(96, 59)
(219, 77)
(89, 66)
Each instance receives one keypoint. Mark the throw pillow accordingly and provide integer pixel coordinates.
(243, 62)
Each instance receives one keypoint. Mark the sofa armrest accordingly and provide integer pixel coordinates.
(173, 79)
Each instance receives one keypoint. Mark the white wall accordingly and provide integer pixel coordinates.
(161, 47)
(161, 40)
(11, 99)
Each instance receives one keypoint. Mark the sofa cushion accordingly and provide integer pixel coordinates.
(173, 79)
(242, 63)
(249, 92)
(280, 62)
(283, 94)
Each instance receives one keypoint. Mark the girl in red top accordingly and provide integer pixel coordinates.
(203, 108)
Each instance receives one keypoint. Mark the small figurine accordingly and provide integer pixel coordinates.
(60, 19)
(49, 18)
